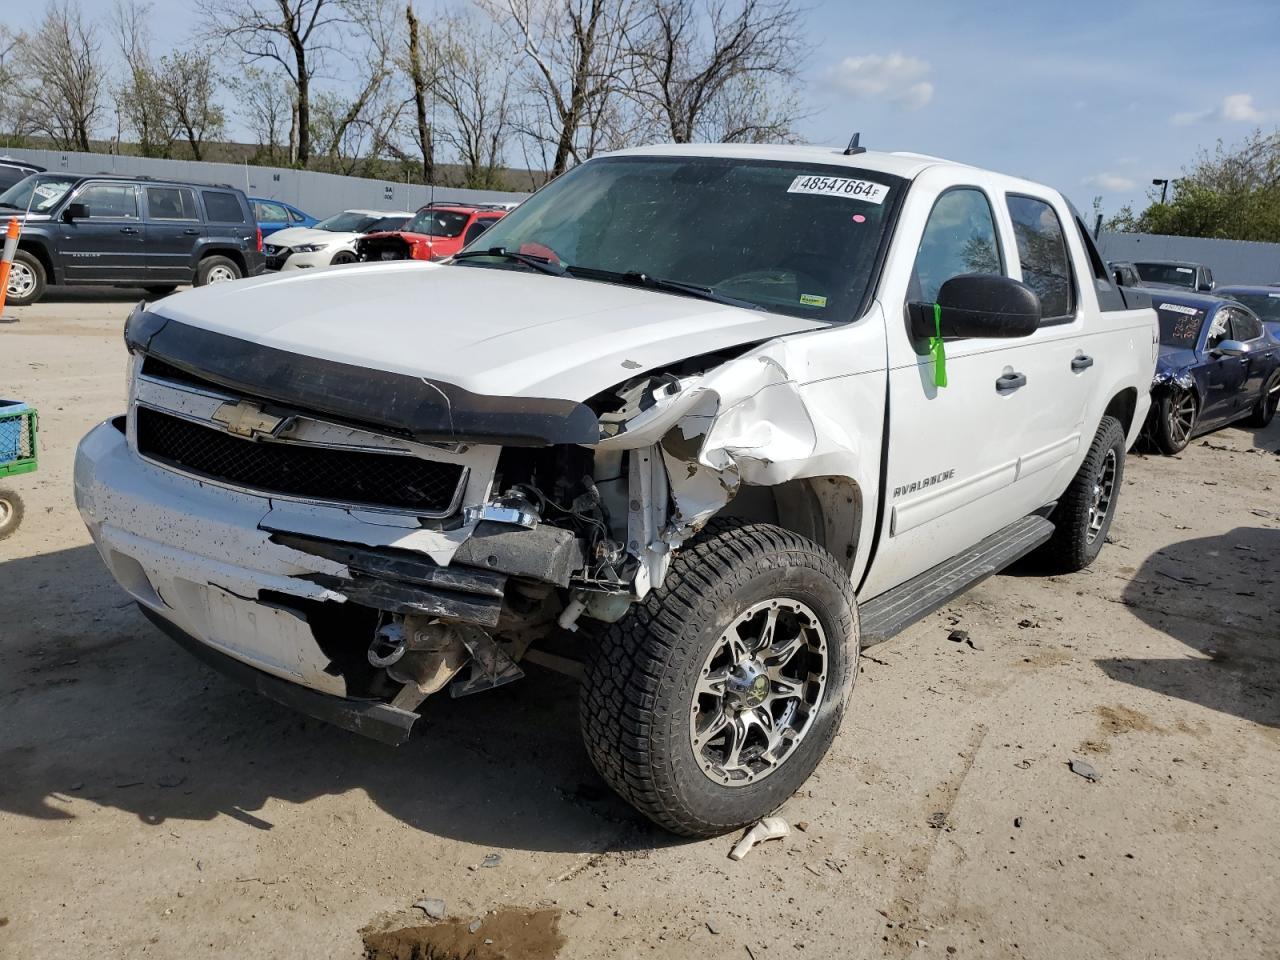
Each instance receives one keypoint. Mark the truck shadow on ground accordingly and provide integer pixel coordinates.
(100, 705)
(1221, 597)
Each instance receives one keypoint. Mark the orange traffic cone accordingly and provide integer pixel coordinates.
(6, 261)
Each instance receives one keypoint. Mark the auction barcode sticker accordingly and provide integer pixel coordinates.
(840, 187)
(1179, 308)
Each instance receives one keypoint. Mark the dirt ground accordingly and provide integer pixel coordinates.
(150, 808)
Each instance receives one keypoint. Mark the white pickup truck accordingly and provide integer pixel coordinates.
(694, 423)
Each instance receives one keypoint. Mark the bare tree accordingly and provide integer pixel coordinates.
(476, 97)
(707, 69)
(416, 60)
(343, 126)
(15, 101)
(189, 87)
(297, 35)
(266, 108)
(574, 61)
(60, 62)
(140, 102)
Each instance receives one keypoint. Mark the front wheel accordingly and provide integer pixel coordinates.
(26, 280)
(1084, 513)
(11, 511)
(715, 698)
(1176, 415)
(1267, 403)
(341, 257)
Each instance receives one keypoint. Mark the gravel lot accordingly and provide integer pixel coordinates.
(150, 808)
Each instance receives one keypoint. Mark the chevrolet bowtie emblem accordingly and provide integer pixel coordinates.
(247, 419)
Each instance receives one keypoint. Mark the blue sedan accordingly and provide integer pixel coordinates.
(1218, 364)
(273, 215)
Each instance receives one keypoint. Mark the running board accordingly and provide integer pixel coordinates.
(894, 611)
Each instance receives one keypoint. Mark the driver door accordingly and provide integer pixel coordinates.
(1224, 376)
(108, 246)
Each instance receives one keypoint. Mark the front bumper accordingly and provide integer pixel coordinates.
(309, 261)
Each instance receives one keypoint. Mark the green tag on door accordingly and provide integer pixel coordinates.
(937, 349)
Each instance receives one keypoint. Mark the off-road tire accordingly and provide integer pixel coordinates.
(214, 264)
(1265, 409)
(637, 693)
(11, 511)
(343, 256)
(1163, 433)
(1070, 548)
(32, 263)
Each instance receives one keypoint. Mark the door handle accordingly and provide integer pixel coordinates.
(128, 229)
(1010, 382)
(1081, 363)
(192, 233)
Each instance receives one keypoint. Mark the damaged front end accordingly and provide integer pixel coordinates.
(350, 542)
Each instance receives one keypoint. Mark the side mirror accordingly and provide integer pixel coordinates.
(76, 211)
(980, 305)
(1230, 348)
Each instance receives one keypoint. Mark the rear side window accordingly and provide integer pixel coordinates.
(959, 238)
(295, 216)
(110, 201)
(171, 203)
(1042, 251)
(270, 213)
(223, 207)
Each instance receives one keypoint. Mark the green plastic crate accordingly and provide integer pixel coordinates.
(18, 450)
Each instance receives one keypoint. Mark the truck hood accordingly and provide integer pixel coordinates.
(497, 332)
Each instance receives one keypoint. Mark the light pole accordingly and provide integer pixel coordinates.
(1164, 189)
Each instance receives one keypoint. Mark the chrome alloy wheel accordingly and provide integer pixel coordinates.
(758, 691)
(1182, 417)
(22, 280)
(1104, 489)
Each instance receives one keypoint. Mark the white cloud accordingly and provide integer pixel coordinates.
(1235, 108)
(1110, 182)
(895, 78)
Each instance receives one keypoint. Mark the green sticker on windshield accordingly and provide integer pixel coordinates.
(813, 300)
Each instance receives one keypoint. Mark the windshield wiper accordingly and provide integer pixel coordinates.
(541, 264)
(639, 279)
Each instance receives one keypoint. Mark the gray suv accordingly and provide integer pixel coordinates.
(127, 231)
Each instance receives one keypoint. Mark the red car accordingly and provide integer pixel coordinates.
(437, 231)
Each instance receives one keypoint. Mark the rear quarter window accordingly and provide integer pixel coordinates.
(223, 207)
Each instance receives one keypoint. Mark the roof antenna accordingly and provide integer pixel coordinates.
(852, 150)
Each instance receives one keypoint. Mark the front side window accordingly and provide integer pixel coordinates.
(110, 201)
(41, 192)
(1042, 251)
(171, 203)
(1244, 325)
(959, 238)
(438, 223)
(1218, 330)
(1167, 273)
(223, 207)
(795, 238)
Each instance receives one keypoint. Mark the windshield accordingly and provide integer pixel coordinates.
(1179, 325)
(347, 222)
(789, 237)
(1167, 273)
(42, 191)
(1265, 305)
(438, 223)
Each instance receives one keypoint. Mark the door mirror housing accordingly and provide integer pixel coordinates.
(76, 211)
(980, 305)
(1230, 348)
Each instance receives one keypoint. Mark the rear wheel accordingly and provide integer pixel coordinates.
(1176, 415)
(1267, 403)
(11, 510)
(217, 270)
(1084, 513)
(715, 698)
(26, 280)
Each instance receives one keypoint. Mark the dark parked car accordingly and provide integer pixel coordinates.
(1124, 273)
(1218, 364)
(1175, 275)
(1262, 300)
(11, 171)
(273, 215)
(128, 231)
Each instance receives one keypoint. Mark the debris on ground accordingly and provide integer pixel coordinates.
(1017, 822)
(491, 860)
(713, 927)
(937, 820)
(802, 826)
(770, 828)
(975, 644)
(1084, 769)
(433, 907)
(958, 636)
(1266, 514)
(1026, 623)
(474, 925)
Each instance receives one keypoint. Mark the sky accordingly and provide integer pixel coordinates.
(1094, 98)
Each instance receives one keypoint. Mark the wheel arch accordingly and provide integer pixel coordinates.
(41, 252)
(231, 253)
(827, 510)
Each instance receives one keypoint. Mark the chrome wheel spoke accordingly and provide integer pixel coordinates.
(712, 684)
(712, 729)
